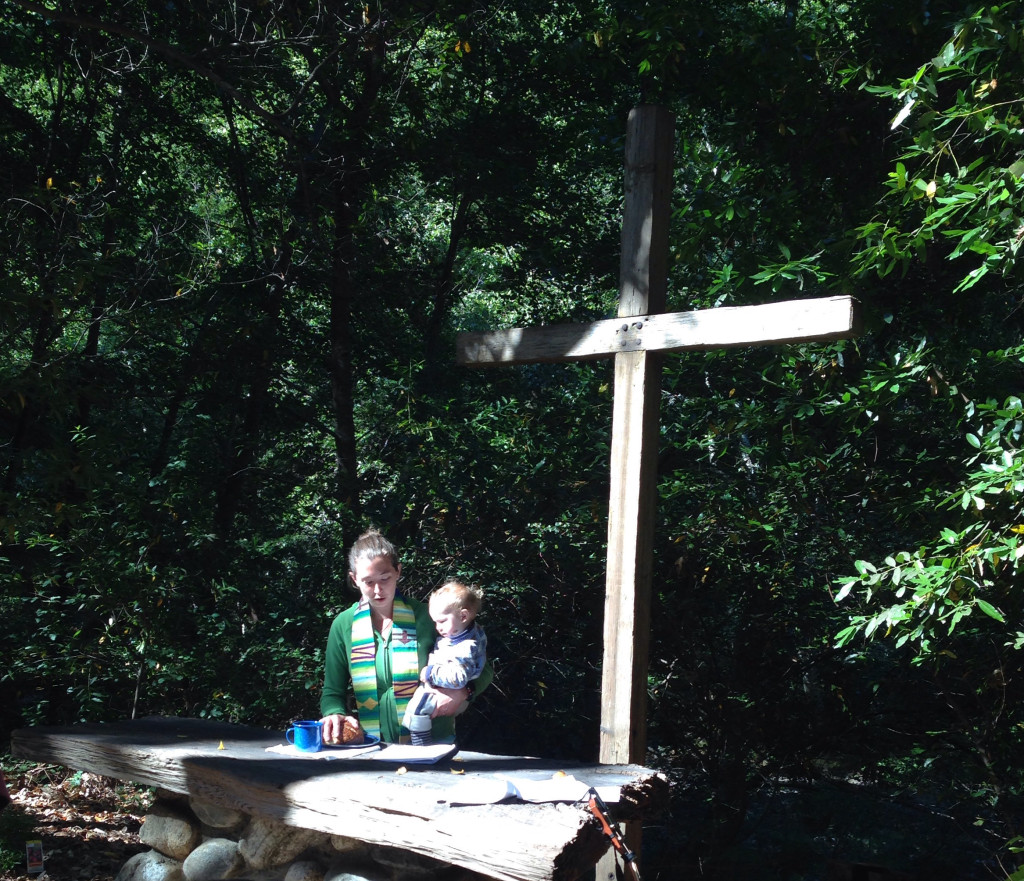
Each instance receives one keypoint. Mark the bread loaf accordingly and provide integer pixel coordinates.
(349, 734)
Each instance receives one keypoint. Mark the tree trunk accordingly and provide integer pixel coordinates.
(340, 358)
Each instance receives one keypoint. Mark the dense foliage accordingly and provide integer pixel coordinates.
(238, 242)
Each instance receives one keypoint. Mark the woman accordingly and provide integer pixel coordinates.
(377, 647)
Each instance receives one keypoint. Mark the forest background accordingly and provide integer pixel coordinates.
(238, 240)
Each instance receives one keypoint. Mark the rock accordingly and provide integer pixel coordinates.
(273, 874)
(345, 872)
(216, 817)
(169, 795)
(344, 844)
(267, 843)
(150, 866)
(406, 864)
(214, 859)
(170, 830)
(304, 870)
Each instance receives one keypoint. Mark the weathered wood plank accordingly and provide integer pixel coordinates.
(643, 257)
(634, 450)
(365, 800)
(824, 318)
(634, 453)
(643, 284)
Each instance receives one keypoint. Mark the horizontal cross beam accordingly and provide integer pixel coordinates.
(826, 318)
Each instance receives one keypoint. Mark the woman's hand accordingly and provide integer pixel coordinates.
(448, 701)
(333, 726)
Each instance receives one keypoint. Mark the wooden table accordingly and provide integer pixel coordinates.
(377, 802)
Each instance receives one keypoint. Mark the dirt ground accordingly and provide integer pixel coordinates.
(89, 825)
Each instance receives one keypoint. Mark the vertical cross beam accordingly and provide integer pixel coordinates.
(643, 274)
(639, 338)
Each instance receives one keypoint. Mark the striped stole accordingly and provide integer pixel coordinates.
(405, 662)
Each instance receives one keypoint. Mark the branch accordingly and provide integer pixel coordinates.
(170, 52)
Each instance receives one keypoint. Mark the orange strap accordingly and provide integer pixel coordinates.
(600, 810)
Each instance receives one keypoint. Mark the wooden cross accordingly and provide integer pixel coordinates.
(638, 338)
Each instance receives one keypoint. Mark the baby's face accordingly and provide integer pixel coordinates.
(449, 621)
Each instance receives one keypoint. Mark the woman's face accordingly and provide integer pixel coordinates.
(377, 581)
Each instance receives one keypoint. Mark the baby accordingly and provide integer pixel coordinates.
(459, 654)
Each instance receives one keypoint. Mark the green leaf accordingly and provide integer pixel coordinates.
(844, 591)
(990, 610)
(846, 635)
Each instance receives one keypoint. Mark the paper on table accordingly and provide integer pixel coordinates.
(292, 751)
(489, 790)
(414, 755)
(386, 752)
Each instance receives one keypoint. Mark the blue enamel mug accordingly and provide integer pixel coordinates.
(306, 735)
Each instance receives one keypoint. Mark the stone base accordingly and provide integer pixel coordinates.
(196, 841)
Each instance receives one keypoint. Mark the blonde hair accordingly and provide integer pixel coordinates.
(456, 595)
(369, 546)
